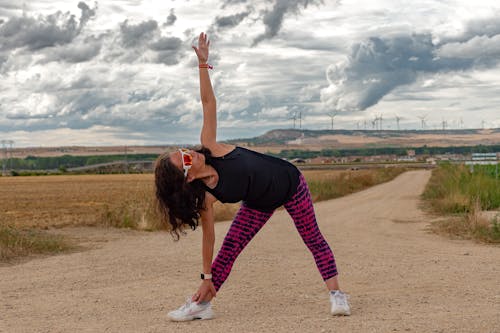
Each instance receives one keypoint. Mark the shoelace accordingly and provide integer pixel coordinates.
(341, 299)
(186, 305)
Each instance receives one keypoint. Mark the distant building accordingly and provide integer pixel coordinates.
(407, 159)
(298, 161)
(321, 160)
(379, 158)
(430, 160)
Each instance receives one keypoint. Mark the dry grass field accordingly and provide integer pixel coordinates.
(56, 201)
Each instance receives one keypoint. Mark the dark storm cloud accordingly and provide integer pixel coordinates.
(134, 35)
(44, 31)
(169, 50)
(39, 33)
(230, 20)
(74, 53)
(488, 27)
(87, 13)
(378, 65)
(3, 58)
(167, 44)
(480, 42)
(273, 19)
(232, 2)
(171, 18)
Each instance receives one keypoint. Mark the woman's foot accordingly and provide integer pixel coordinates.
(191, 311)
(340, 306)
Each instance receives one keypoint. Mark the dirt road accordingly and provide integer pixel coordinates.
(400, 277)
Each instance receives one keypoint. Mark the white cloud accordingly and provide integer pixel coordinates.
(279, 112)
(101, 72)
(478, 47)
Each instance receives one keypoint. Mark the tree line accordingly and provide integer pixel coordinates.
(398, 151)
(72, 161)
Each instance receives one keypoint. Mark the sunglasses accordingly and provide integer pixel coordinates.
(187, 160)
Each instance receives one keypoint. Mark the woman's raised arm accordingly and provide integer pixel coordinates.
(209, 129)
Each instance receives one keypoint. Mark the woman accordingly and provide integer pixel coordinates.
(188, 183)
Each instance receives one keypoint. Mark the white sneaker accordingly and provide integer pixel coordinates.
(340, 306)
(191, 311)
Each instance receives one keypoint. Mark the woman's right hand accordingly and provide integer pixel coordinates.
(202, 49)
(205, 293)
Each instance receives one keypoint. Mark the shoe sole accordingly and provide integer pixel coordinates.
(191, 318)
(341, 314)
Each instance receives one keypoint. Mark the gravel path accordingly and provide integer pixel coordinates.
(400, 277)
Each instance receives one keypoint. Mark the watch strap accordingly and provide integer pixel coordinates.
(206, 276)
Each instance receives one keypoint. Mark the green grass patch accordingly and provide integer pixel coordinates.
(461, 195)
(16, 243)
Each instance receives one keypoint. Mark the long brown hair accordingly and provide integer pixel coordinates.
(179, 202)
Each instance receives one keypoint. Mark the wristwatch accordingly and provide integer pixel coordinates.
(206, 276)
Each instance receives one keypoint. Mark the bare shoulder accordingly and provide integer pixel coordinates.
(220, 149)
(210, 199)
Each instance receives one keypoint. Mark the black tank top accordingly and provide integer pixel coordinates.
(261, 181)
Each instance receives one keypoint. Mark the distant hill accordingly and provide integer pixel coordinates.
(280, 139)
(317, 139)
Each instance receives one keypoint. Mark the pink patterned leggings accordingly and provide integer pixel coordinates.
(248, 222)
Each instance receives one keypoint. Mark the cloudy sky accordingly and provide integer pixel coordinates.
(122, 72)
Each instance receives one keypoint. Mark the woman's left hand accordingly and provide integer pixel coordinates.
(205, 293)
(202, 49)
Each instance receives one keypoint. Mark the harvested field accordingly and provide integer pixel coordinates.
(57, 201)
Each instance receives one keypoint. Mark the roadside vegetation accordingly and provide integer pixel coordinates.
(19, 243)
(31, 204)
(469, 201)
(140, 212)
(325, 186)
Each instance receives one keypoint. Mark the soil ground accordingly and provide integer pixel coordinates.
(400, 277)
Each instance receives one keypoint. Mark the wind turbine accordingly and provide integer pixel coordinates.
(294, 117)
(398, 118)
(380, 121)
(445, 124)
(422, 120)
(6, 151)
(332, 115)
